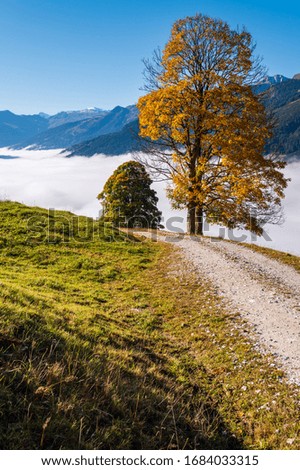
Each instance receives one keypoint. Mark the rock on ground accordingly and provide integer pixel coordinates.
(264, 291)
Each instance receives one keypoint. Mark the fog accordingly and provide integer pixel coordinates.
(48, 179)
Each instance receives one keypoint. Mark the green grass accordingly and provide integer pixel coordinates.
(103, 345)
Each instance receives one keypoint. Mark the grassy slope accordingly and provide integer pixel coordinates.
(286, 258)
(105, 344)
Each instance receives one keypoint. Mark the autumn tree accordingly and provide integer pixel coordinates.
(128, 199)
(209, 129)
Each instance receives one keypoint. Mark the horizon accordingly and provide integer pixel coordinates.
(99, 108)
(88, 108)
(70, 56)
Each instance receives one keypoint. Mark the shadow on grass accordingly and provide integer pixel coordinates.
(123, 394)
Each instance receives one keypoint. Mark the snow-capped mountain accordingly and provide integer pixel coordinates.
(272, 80)
(65, 117)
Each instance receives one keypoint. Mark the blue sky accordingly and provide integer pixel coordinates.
(72, 54)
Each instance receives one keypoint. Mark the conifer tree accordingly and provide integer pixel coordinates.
(128, 199)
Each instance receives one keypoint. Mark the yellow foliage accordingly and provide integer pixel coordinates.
(203, 109)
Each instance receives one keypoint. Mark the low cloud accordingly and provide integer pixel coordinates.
(47, 179)
(50, 180)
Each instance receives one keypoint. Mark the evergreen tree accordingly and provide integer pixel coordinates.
(128, 199)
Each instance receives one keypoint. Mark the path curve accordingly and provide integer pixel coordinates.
(265, 292)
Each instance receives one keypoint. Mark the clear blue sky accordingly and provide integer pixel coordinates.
(72, 54)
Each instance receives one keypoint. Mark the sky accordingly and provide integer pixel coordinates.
(72, 54)
(47, 179)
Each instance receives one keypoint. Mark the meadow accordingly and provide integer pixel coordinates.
(106, 342)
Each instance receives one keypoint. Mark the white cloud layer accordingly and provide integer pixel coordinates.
(47, 179)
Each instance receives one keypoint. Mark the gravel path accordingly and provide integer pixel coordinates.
(265, 292)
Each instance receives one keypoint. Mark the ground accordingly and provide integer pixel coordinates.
(110, 342)
(263, 290)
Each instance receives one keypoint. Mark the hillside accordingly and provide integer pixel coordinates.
(95, 355)
(269, 81)
(71, 133)
(116, 143)
(283, 100)
(15, 128)
(65, 117)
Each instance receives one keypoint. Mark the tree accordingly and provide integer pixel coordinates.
(127, 198)
(210, 128)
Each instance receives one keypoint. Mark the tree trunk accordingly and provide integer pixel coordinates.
(191, 220)
(199, 220)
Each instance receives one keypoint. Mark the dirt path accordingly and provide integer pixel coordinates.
(265, 292)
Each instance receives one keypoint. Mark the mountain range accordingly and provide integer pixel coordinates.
(118, 143)
(282, 99)
(14, 128)
(73, 116)
(67, 129)
(114, 132)
(25, 130)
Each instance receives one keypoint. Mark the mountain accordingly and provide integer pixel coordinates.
(273, 80)
(283, 101)
(65, 117)
(269, 81)
(72, 133)
(44, 115)
(15, 128)
(94, 130)
(281, 96)
(116, 143)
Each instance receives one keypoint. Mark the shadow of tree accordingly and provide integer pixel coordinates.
(123, 395)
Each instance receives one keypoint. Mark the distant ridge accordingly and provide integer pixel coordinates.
(281, 96)
(94, 130)
(65, 117)
(72, 133)
(273, 80)
(268, 81)
(283, 100)
(117, 143)
(15, 128)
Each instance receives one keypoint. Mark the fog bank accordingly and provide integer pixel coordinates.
(48, 179)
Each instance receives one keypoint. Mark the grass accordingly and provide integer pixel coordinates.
(107, 343)
(286, 258)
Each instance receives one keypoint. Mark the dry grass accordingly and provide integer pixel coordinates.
(286, 258)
